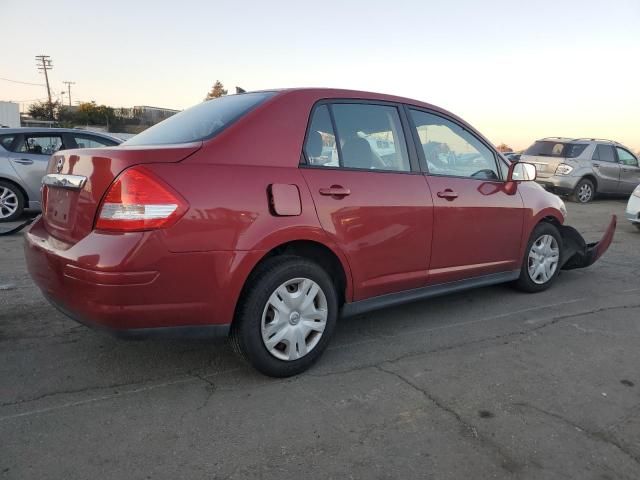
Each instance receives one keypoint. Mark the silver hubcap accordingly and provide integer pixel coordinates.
(294, 319)
(8, 202)
(543, 259)
(585, 192)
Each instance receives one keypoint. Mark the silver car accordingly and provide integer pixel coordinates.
(24, 154)
(583, 167)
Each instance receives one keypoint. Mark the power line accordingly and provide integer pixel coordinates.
(23, 83)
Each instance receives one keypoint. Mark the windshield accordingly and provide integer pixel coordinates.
(546, 148)
(200, 121)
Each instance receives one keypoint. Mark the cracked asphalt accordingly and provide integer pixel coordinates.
(490, 383)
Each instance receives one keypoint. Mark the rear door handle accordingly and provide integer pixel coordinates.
(23, 161)
(596, 164)
(335, 191)
(448, 194)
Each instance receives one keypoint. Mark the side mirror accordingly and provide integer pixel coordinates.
(521, 172)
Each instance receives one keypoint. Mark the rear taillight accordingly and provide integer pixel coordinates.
(138, 200)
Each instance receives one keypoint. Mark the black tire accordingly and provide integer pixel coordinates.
(579, 193)
(637, 225)
(8, 186)
(246, 336)
(525, 282)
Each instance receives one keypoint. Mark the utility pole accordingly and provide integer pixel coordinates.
(44, 64)
(68, 84)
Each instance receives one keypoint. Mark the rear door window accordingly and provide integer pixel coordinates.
(41, 144)
(604, 153)
(369, 137)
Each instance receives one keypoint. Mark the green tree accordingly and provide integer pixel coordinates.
(42, 110)
(216, 91)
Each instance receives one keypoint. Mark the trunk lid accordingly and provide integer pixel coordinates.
(68, 211)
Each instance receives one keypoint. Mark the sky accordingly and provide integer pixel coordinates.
(517, 71)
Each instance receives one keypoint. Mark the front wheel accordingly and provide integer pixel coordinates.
(286, 316)
(541, 263)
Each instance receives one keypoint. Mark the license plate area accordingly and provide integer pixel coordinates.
(60, 206)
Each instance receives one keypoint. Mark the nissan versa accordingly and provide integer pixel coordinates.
(267, 215)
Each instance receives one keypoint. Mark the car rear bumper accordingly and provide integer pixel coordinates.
(134, 286)
(560, 185)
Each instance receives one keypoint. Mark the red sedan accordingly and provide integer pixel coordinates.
(268, 215)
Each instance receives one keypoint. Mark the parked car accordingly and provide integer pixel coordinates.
(24, 154)
(512, 156)
(583, 167)
(633, 208)
(224, 220)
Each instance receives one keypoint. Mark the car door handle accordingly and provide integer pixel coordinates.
(23, 161)
(335, 191)
(448, 194)
(596, 164)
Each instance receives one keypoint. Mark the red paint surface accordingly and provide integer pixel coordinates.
(390, 233)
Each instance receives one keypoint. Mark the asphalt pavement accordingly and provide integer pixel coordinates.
(489, 383)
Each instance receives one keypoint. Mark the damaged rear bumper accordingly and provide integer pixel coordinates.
(580, 254)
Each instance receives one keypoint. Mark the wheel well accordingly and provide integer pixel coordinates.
(310, 250)
(22, 190)
(318, 253)
(593, 179)
(552, 220)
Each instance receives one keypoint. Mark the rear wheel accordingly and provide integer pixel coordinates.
(11, 202)
(584, 192)
(286, 316)
(541, 263)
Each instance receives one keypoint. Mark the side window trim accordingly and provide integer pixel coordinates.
(413, 157)
(423, 160)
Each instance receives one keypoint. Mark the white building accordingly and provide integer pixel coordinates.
(9, 114)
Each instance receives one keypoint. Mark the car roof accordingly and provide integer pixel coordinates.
(5, 131)
(327, 93)
(580, 140)
(318, 94)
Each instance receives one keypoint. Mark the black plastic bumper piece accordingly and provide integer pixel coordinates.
(580, 254)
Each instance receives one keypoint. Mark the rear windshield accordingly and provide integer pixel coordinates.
(546, 148)
(200, 121)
